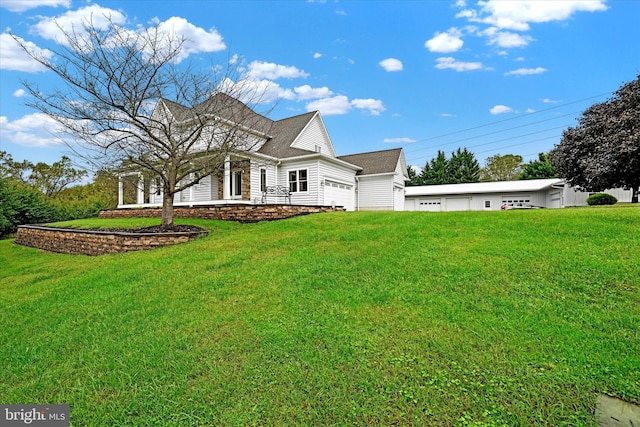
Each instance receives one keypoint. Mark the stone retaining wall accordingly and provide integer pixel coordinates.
(240, 213)
(96, 242)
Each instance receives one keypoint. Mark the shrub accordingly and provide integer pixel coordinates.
(601, 199)
(22, 204)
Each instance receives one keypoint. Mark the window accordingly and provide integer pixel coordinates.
(487, 204)
(263, 180)
(235, 184)
(298, 181)
(158, 185)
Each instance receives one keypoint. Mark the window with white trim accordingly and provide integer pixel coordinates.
(235, 183)
(263, 180)
(298, 181)
(487, 204)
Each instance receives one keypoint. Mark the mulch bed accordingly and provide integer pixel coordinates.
(180, 228)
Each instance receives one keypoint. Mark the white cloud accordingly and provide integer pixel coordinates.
(517, 15)
(550, 101)
(451, 63)
(255, 91)
(391, 64)
(501, 109)
(307, 92)
(506, 39)
(447, 115)
(19, 93)
(22, 5)
(317, 55)
(32, 130)
(526, 71)
(340, 104)
(197, 39)
(74, 20)
(445, 42)
(373, 106)
(331, 106)
(402, 140)
(271, 71)
(13, 57)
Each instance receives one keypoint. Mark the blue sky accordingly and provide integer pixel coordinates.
(493, 76)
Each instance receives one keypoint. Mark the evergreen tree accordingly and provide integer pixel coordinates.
(435, 171)
(463, 167)
(539, 169)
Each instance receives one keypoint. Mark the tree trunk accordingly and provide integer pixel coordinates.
(167, 209)
(634, 197)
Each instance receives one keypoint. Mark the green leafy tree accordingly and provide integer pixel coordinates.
(538, 169)
(52, 179)
(603, 150)
(11, 169)
(501, 168)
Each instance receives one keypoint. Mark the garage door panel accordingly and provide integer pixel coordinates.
(338, 194)
(430, 205)
(457, 204)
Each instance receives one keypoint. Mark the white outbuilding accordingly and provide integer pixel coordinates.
(548, 193)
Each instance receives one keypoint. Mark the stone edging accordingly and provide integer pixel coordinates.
(231, 212)
(97, 242)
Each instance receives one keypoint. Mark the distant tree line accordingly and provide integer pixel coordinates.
(463, 167)
(39, 193)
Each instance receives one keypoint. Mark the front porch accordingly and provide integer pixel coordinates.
(232, 186)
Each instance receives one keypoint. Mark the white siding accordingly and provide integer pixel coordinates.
(202, 191)
(573, 197)
(315, 138)
(272, 179)
(309, 197)
(375, 192)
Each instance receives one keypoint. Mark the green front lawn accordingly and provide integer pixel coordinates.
(469, 318)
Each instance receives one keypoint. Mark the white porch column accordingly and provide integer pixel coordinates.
(140, 188)
(120, 191)
(226, 194)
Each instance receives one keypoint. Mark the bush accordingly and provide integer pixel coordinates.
(601, 199)
(22, 204)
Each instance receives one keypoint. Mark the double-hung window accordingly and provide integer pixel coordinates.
(298, 181)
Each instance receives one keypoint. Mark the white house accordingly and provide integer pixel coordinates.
(294, 153)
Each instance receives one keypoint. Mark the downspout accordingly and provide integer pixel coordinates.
(357, 193)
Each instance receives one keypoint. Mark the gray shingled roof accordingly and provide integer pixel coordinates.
(284, 132)
(375, 162)
(226, 107)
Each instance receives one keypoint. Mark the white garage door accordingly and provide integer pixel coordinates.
(430, 205)
(338, 194)
(457, 204)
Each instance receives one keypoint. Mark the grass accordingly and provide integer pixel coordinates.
(469, 318)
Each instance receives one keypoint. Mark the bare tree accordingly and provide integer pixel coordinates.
(129, 102)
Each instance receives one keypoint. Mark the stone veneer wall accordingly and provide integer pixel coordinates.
(96, 242)
(240, 213)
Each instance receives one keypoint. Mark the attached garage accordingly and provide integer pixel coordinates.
(338, 194)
